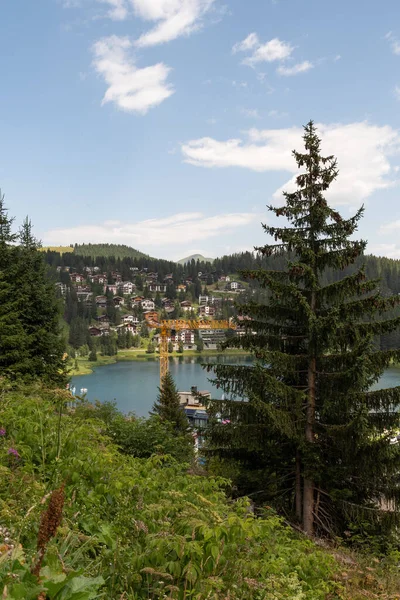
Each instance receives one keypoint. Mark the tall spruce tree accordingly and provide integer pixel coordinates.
(310, 422)
(30, 341)
(13, 339)
(39, 310)
(168, 406)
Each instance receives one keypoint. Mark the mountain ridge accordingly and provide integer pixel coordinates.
(196, 257)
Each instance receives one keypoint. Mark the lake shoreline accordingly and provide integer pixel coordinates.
(87, 367)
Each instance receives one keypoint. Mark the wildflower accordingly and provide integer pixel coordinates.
(50, 521)
(2, 432)
(13, 452)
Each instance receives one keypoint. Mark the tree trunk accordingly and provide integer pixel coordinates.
(298, 488)
(308, 491)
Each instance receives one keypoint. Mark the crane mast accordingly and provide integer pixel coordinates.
(180, 325)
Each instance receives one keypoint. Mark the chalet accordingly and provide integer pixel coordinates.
(127, 287)
(234, 286)
(151, 318)
(169, 277)
(224, 278)
(212, 300)
(118, 301)
(185, 336)
(77, 278)
(158, 287)
(194, 397)
(186, 305)
(212, 338)
(103, 319)
(130, 319)
(207, 311)
(241, 322)
(137, 300)
(111, 287)
(181, 288)
(82, 289)
(85, 297)
(130, 328)
(169, 309)
(98, 279)
(101, 301)
(95, 331)
(61, 287)
(151, 278)
(148, 304)
(126, 328)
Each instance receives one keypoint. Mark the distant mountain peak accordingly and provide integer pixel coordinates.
(195, 257)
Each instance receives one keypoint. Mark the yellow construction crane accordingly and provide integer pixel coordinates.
(180, 325)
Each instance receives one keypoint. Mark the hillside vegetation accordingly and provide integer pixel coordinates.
(59, 249)
(84, 517)
(106, 250)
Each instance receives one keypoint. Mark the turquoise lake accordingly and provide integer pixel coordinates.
(133, 385)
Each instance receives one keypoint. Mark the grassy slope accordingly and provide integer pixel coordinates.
(60, 249)
(142, 524)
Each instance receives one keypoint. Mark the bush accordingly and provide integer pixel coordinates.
(93, 355)
(134, 528)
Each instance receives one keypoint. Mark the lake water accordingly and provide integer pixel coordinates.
(133, 385)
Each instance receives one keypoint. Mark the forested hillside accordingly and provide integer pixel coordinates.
(117, 250)
(196, 278)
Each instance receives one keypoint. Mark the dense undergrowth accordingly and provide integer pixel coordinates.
(139, 522)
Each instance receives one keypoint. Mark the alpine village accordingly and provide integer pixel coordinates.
(281, 480)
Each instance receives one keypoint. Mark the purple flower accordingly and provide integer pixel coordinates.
(2, 432)
(13, 452)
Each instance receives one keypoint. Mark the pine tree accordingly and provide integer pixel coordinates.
(168, 406)
(13, 339)
(93, 355)
(310, 423)
(39, 310)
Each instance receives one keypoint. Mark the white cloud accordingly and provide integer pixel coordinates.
(394, 43)
(388, 250)
(302, 67)
(118, 9)
(271, 51)
(130, 88)
(362, 149)
(248, 43)
(173, 18)
(176, 230)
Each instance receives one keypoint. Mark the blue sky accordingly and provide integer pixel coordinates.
(168, 125)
